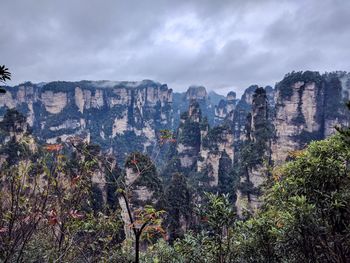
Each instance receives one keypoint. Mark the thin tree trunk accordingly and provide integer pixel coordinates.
(137, 248)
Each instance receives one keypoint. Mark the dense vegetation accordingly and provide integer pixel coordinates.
(69, 202)
(305, 217)
(285, 86)
(254, 152)
(48, 213)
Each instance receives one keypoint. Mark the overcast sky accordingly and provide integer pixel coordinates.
(221, 44)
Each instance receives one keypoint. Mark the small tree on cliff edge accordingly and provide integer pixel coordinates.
(4, 75)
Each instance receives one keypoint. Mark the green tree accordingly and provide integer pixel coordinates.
(178, 205)
(46, 202)
(217, 218)
(4, 76)
(306, 213)
(161, 252)
(144, 220)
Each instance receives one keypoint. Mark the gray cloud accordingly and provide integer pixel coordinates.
(224, 45)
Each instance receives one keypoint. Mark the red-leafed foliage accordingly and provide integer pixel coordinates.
(75, 214)
(53, 147)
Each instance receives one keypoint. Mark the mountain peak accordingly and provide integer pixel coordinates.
(197, 93)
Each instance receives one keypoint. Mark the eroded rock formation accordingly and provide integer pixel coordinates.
(213, 134)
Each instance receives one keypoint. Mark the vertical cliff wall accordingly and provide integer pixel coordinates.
(200, 148)
(109, 113)
(189, 136)
(308, 107)
(254, 155)
(225, 107)
(124, 117)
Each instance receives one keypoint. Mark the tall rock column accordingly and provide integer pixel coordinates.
(225, 107)
(189, 136)
(299, 113)
(336, 95)
(254, 155)
(216, 147)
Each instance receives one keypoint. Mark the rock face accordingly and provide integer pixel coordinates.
(308, 107)
(217, 146)
(54, 102)
(215, 135)
(206, 101)
(189, 136)
(237, 118)
(14, 126)
(225, 107)
(110, 113)
(196, 93)
(200, 148)
(254, 154)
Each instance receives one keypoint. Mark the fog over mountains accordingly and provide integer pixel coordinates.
(224, 46)
(184, 131)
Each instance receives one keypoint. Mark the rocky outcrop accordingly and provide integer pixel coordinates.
(216, 145)
(237, 119)
(110, 113)
(54, 102)
(189, 136)
(200, 148)
(124, 117)
(197, 93)
(13, 126)
(254, 154)
(207, 102)
(308, 107)
(225, 107)
(297, 114)
(336, 94)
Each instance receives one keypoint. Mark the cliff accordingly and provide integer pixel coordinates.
(18, 146)
(218, 143)
(200, 148)
(308, 107)
(254, 155)
(189, 136)
(108, 113)
(225, 107)
(111, 114)
(207, 103)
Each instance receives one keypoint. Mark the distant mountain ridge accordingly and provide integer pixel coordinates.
(110, 113)
(223, 142)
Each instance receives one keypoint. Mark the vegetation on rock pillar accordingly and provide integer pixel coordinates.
(345, 132)
(256, 148)
(227, 176)
(178, 206)
(285, 86)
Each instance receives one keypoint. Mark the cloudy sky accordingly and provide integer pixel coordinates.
(221, 44)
